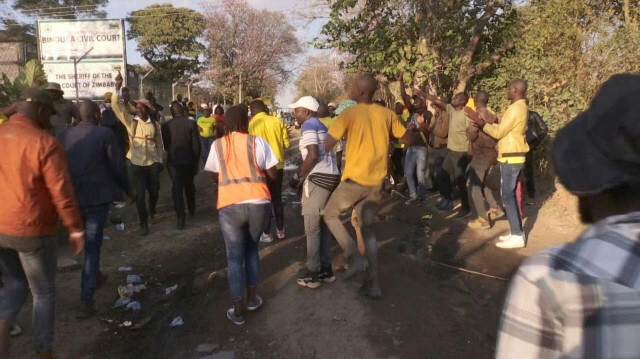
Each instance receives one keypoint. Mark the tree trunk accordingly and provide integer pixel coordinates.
(627, 12)
(466, 67)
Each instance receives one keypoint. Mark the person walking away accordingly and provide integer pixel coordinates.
(218, 114)
(397, 155)
(244, 164)
(512, 149)
(182, 143)
(66, 111)
(457, 157)
(207, 130)
(368, 128)
(439, 132)
(484, 157)
(580, 299)
(272, 130)
(320, 176)
(110, 120)
(145, 154)
(536, 132)
(36, 189)
(99, 176)
(415, 160)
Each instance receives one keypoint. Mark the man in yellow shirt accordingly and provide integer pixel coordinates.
(512, 149)
(272, 130)
(207, 128)
(368, 127)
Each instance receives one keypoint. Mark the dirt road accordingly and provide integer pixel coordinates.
(427, 311)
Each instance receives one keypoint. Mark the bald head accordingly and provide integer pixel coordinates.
(481, 98)
(89, 111)
(363, 89)
(517, 89)
(177, 109)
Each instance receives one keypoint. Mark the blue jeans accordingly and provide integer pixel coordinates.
(205, 145)
(94, 219)
(415, 165)
(241, 226)
(29, 263)
(509, 174)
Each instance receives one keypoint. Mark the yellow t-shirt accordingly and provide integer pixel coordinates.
(403, 119)
(458, 123)
(367, 128)
(272, 130)
(206, 124)
(328, 121)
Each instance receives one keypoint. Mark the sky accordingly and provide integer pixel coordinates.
(121, 8)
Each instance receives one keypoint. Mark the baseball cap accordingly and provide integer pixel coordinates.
(307, 102)
(600, 149)
(37, 95)
(332, 104)
(204, 106)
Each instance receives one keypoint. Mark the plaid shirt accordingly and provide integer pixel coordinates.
(579, 300)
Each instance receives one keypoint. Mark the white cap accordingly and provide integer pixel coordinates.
(307, 102)
(204, 106)
(332, 104)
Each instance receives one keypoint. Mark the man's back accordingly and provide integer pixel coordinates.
(66, 110)
(272, 130)
(35, 181)
(182, 141)
(367, 128)
(96, 164)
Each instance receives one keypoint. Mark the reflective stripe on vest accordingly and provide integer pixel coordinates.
(255, 178)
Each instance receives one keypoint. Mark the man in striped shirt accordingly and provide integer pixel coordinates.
(320, 175)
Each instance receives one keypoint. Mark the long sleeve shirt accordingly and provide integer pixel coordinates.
(146, 146)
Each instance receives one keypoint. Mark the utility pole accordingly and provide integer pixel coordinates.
(240, 87)
(141, 90)
(75, 70)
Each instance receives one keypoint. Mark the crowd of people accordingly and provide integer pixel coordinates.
(73, 161)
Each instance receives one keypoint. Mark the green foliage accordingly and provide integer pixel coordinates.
(31, 75)
(61, 9)
(167, 38)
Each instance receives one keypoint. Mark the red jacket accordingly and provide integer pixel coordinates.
(34, 182)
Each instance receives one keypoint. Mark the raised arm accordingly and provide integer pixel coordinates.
(118, 108)
(403, 92)
(436, 101)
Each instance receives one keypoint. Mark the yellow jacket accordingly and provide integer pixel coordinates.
(510, 133)
(272, 130)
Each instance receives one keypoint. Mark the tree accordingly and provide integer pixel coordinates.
(60, 9)
(432, 41)
(250, 51)
(168, 38)
(318, 79)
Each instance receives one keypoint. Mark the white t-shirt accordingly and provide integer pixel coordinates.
(264, 157)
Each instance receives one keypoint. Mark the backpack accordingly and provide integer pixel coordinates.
(537, 129)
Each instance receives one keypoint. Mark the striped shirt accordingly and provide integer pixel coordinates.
(325, 173)
(579, 300)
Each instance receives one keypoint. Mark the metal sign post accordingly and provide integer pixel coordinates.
(75, 70)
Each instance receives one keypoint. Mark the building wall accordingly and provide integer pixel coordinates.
(13, 56)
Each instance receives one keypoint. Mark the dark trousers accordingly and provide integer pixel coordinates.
(434, 166)
(94, 219)
(397, 167)
(146, 179)
(453, 171)
(276, 203)
(529, 175)
(182, 177)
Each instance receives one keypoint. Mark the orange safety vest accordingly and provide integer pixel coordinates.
(240, 177)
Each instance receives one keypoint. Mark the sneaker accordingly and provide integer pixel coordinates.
(307, 278)
(496, 213)
(463, 214)
(445, 205)
(280, 233)
(514, 241)
(371, 289)
(236, 319)
(266, 238)
(16, 330)
(479, 223)
(504, 238)
(411, 200)
(358, 264)
(255, 304)
(326, 275)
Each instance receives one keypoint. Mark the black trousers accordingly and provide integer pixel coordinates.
(183, 186)
(397, 164)
(529, 174)
(276, 202)
(453, 172)
(146, 179)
